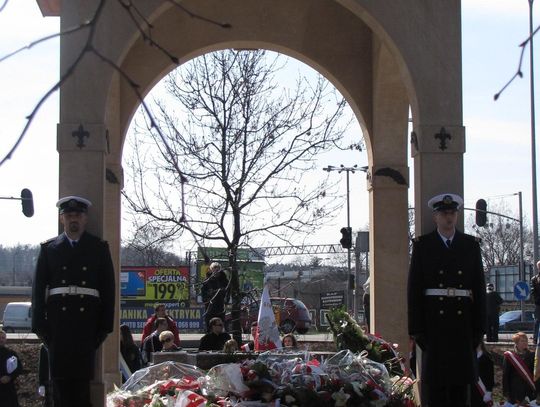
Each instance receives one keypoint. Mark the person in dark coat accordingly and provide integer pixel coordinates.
(446, 306)
(535, 296)
(130, 352)
(10, 368)
(44, 377)
(73, 300)
(481, 394)
(213, 292)
(493, 307)
(216, 338)
(518, 368)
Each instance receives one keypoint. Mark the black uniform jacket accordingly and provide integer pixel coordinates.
(447, 328)
(73, 326)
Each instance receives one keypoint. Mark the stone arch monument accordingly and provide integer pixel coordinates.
(383, 55)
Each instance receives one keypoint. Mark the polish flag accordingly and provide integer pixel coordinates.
(267, 335)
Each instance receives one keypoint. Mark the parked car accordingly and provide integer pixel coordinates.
(511, 321)
(17, 317)
(291, 315)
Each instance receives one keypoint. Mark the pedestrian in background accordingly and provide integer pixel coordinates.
(535, 296)
(167, 342)
(73, 301)
(10, 368)
(250, 345)
(493, 308)
(216, 338)
(289, 341)
(130, 352)
(213, 292)
(518, 368)
(160, 312)
(152, 343)
(366, 303)
(446, 306)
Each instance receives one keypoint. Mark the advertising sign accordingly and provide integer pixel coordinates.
(142, 288)
(250, 266)
(155, 283)
(332, 299)
(134, 314)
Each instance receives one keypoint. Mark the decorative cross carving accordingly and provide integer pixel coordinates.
(80, 133)
(443, 136)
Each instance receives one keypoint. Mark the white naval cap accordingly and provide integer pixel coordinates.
(445, 202)
(73, 204)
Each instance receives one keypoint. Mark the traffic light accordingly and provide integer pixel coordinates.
(346, 240)
(27, 202)
(481, 214)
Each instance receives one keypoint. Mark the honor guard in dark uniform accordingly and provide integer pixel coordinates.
(446, 306)
(73, 301)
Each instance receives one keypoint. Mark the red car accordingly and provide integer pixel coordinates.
(291, 315)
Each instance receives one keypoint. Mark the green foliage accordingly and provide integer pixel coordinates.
(349, 335)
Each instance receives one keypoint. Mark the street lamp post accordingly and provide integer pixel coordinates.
(347, 170)
(533, 136)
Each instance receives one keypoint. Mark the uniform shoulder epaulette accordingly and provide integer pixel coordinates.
(471, 237)
(45, 242)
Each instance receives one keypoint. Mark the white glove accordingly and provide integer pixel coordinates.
(41, 391)
(487, 397)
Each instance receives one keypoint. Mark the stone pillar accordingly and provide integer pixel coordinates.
(438, 167)
(389, 182)
(83, 149)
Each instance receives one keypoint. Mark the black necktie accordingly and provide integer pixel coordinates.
(74, 243)
(448, 242)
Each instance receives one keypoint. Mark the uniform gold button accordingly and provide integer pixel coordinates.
(63, 308)
(441, 298)
(441, 312)
(63, 281)
(82, 296)
(441, 272)
(460, 272)
(64, 268)
(461, 286)
(84, 268)
(63, 294)
(459, 298)
(83, 282)
(441, 285)
(459, 312)
(82, 309)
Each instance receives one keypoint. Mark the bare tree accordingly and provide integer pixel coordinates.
(500, 238)
(147, 248)
(244, 145)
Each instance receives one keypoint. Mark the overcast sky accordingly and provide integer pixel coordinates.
(498, 155)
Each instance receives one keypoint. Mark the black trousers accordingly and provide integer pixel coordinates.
(71, 393)
(447, 396)
(492, 334)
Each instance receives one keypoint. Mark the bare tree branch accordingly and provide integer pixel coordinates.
(134, 14)
(518, 73)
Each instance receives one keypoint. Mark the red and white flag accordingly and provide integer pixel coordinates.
(267, 335)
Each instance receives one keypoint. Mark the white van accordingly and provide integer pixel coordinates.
(18, 317)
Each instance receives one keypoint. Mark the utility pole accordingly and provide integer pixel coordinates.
(533, 136)
(347, 170)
